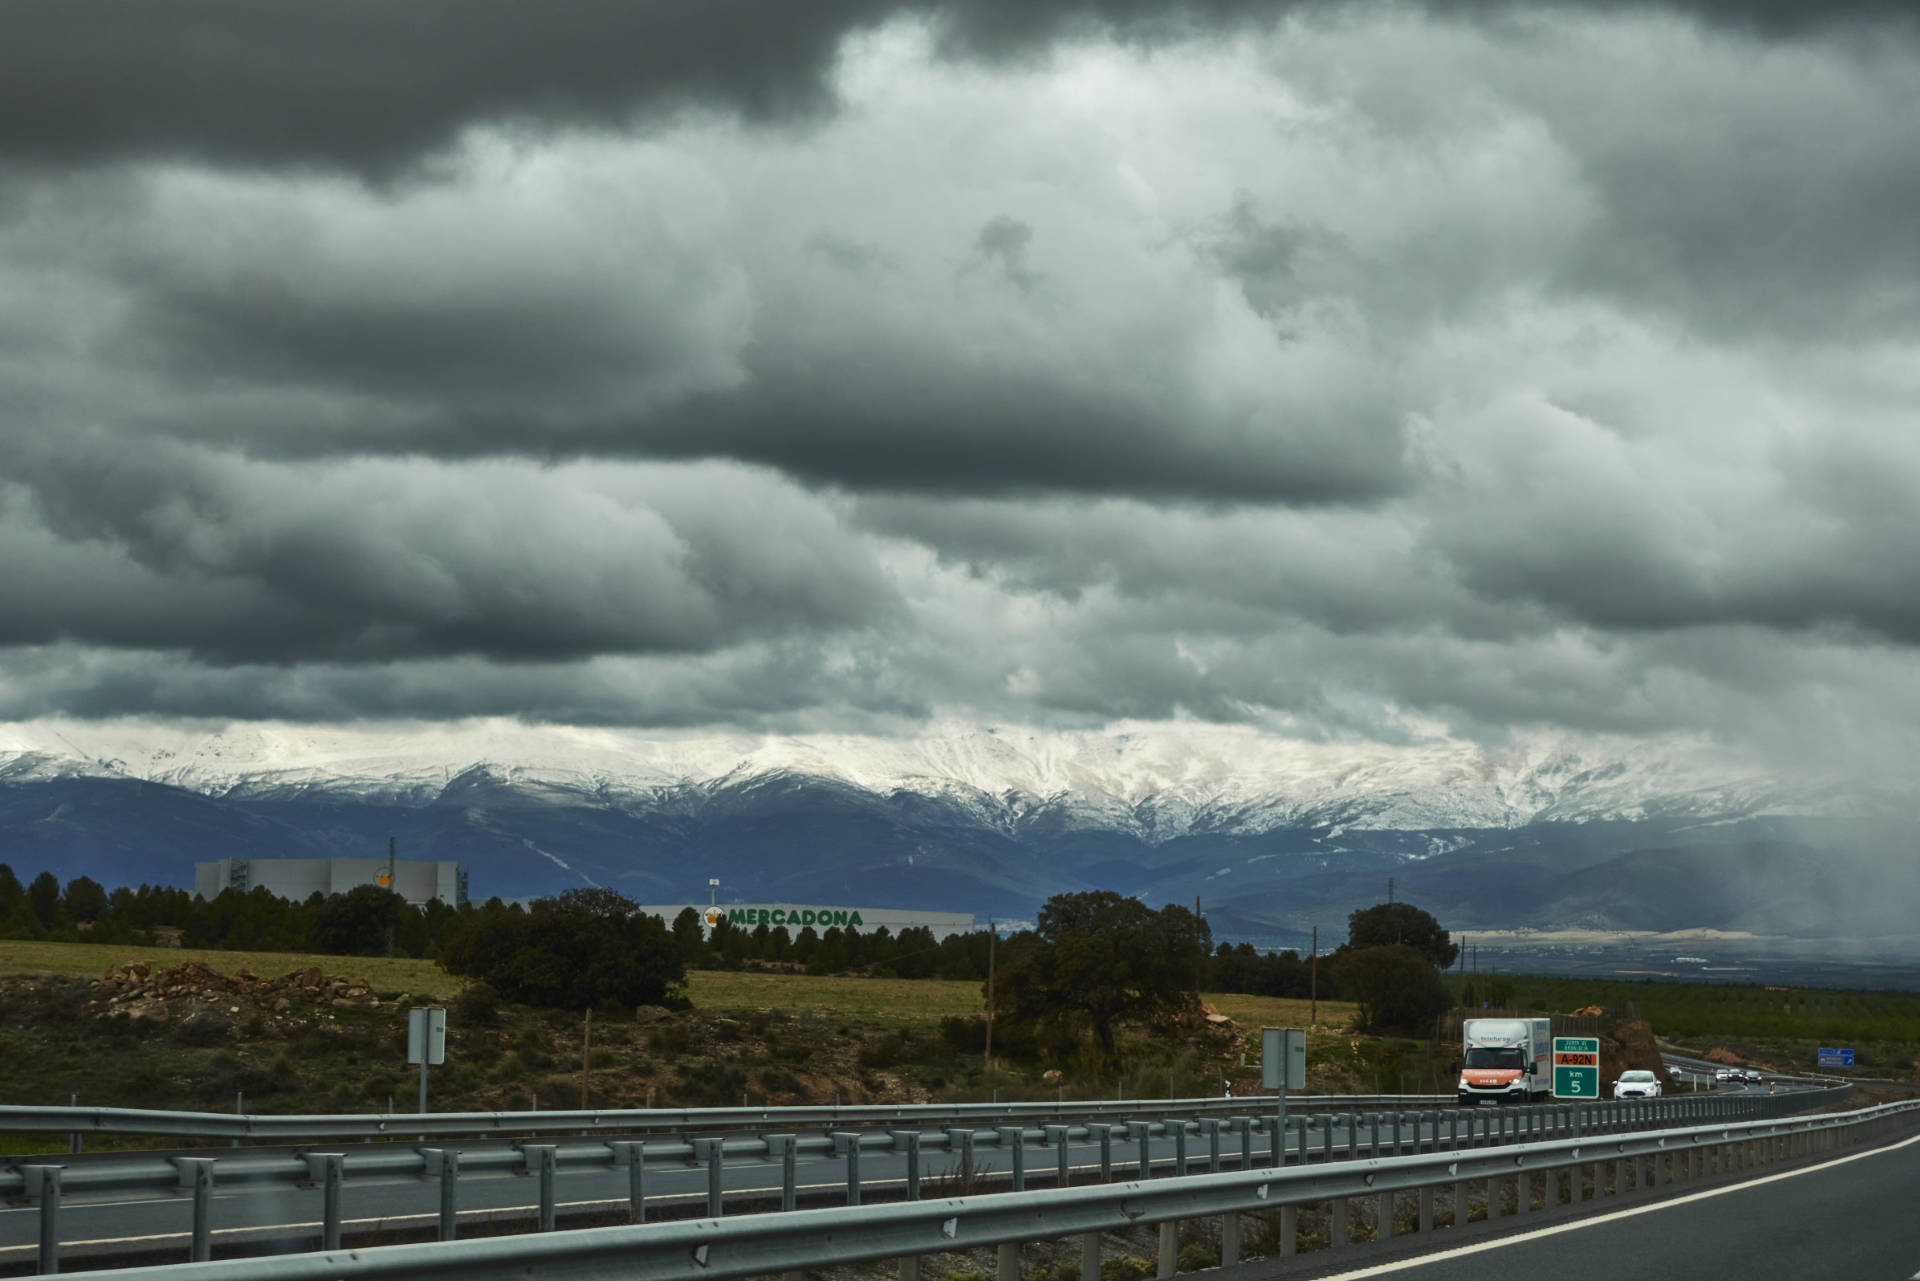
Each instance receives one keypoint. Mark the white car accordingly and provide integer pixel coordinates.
(1637, 1084)
(1726, 1074)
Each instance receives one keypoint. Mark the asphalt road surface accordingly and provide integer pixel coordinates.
(106, 1225)
(1852, 1218)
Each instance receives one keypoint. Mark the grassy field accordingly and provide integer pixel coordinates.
(919, 1003)
(90, 960)
(1255, 1012)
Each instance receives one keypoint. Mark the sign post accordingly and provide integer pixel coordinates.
(1835, 1058)
(426, 1043)
(1283, 1067)
(1576, 1067)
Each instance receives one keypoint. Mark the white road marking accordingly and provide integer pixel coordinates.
(1458, 1252)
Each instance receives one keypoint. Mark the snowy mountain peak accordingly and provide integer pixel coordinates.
(1157, 781)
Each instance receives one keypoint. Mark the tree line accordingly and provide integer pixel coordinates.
(1095, 961)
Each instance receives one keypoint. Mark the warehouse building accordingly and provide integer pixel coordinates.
(798, 916)
(300, 878)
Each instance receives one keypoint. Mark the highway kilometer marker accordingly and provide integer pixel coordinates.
(1576, 1067)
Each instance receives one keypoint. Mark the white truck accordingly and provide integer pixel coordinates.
(1506, 1061)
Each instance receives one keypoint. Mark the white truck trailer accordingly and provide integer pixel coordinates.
(1505, 1061)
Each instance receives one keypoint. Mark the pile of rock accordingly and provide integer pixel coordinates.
(136, 989)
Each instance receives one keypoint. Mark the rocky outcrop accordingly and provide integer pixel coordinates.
(139, 991)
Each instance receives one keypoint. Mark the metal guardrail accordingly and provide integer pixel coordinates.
(1235, 1140)
(285, 1129)
(717, 1249)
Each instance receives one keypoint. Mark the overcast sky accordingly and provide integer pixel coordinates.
(1350, 370)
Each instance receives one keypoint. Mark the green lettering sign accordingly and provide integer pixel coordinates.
(779, 916)
(839, 918)
(739, 916)
(809, 916)
(854, 918)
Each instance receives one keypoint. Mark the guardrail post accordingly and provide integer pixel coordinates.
(543, 1160)
(1056, 1135)
(1140, 1132)
(196, 1174)
(1013, 1141)
(450, 1184)
(907, 1142)
(1373, 1135)
(1353, 1136)
(1289, 1230)
(1007, 1262)
(1169, 1251)
(1105, 1135)
(847, 1143)
(1338, 1235)
(960, 1150)
(633, 1155)
(1425, 1224)
(1461, 1205)
(1089, 1255)
(1243, 1126)
(43, 1183)
(1210, 1126)
(909, 1267)
(332, 1173)
(1299, 1125)
(1229, 1239)
(1396, 1133)
(1178, 1129)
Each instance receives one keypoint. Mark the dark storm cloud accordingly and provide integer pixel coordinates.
(370, 86)
(242, 562)
(776, 687)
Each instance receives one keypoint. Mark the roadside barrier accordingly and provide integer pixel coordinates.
(1172, 1145)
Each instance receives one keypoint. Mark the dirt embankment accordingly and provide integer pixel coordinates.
(140, 992)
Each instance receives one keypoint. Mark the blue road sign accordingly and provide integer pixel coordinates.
(1835, 1058)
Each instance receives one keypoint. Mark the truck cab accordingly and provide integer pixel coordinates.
(1503, 1061)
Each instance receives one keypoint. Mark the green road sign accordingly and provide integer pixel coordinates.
(1576, 1067)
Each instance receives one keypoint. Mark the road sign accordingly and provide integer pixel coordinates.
(1283, 1058)
(1576, 1067)
(427, 1036)
(1836, 1058)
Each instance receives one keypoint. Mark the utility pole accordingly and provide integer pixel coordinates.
(1313, 979)
(390, 889)
(1389, 889)
(992, 934)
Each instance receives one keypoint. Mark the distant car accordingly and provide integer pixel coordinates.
(1754, 1076)
(1726, 1074)
(1637, 1084)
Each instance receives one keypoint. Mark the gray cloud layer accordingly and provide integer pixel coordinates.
(373, 87)
(1463, 366)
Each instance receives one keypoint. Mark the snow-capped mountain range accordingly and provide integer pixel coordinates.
(1154, 782)
(1275, 834)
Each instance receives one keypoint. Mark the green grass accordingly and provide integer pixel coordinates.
(890, 1002)
(90, 960)
(1255, 1012)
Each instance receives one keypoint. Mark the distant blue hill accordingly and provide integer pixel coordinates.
(789, 838)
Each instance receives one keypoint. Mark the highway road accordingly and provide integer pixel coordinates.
(108, 1224)
(1848, 1218)
(97, 1224)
